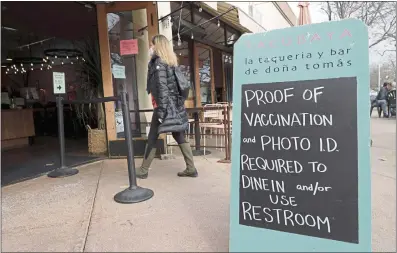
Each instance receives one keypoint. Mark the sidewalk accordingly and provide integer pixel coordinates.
(78, 213)
(185, 214)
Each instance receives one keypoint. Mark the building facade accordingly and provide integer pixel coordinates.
(202, 33)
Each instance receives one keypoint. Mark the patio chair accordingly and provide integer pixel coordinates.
(212, 121)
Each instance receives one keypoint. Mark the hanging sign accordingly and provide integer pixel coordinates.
(300, 159)
(58, 79)
(128, 47)
(118, 71)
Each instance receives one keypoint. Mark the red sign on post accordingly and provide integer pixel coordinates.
(128, 47)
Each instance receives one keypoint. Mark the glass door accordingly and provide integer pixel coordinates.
(123, 46)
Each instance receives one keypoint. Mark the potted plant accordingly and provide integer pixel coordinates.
(92, 116)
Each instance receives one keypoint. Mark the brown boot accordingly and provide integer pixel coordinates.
(190, 170)
(143, 171)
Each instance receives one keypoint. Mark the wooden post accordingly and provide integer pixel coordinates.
(106, 70)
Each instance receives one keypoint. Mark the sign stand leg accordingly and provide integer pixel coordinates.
(134, 193)
(63, 171)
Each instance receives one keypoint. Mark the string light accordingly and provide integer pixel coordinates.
(219, 23)
(62, 63)
(41, 68)
(52, 62)
(21, 64)
(67, 57)
(71, 62)
(192, 37)
(31, 68)
(200, 9)
(56, 56)
(31, 64)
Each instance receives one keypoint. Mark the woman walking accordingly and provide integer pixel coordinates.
(169, 110)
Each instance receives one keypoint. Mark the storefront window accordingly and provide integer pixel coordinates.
(184, 60)
(205, 73)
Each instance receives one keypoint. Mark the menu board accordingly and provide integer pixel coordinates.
(298, 158)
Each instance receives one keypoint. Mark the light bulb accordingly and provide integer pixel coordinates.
(200, 9)
(77, 57)
(71, 62)
(179, 42)
(31, 64)
(42, 64)
(62, 63)
(219, 23)
(41, 68)
(31, 69)
(56, 56)
(21, 64)
(8, 69)
(192, 37)
(47, 57)
(67, 57)
(52, 62)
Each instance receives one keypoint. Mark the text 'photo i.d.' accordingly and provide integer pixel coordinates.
(300, 168)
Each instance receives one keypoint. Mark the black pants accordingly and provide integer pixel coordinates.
(153, 134)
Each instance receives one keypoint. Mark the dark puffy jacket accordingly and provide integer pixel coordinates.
(170, 104)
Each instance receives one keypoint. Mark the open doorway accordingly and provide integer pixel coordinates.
(39, 38)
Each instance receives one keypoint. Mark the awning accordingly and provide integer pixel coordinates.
(231, 18)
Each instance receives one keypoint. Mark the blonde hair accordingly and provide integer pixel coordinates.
(164, 50)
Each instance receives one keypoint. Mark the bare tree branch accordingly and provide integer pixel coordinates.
(380, 17)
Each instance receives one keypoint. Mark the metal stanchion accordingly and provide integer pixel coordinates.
(134, 193)
(63, 171)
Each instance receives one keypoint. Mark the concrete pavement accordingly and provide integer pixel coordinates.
(78, 213)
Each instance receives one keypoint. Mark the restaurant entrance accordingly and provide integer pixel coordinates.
(125, 29)
(38, 39)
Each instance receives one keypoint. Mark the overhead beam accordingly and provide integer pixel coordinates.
(209, 43)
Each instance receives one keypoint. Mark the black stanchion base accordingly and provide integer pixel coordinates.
(63, 172)
(200, 152)
(133, 195)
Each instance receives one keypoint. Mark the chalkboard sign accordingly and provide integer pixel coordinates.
(298, 158)
(300, 176)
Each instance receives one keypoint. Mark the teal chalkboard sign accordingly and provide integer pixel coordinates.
(301, 138)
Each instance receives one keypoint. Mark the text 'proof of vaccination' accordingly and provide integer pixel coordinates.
(301, 125)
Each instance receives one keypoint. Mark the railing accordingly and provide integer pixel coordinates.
(198, 147)
(134, 193)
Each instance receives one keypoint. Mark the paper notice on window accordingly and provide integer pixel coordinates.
(119, 121)
(118, 71)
